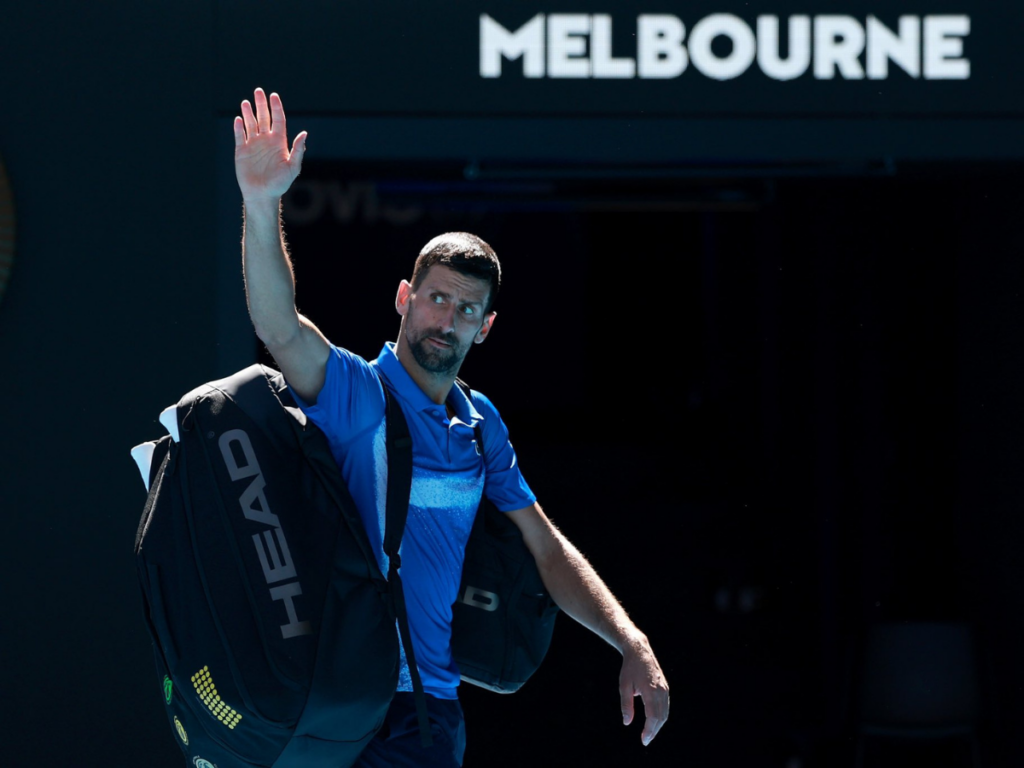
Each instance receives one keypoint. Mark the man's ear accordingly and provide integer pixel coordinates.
(485, 328)
(402, 299)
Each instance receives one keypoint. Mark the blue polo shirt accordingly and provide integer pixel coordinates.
(448, 480)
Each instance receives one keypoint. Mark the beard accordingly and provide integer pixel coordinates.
(432, 359)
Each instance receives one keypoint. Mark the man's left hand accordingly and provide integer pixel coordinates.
(641, 676)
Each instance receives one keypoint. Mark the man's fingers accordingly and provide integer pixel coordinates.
(651, 728)
(249, 119)
(626, 703)
(278, 124)
(239, 128)
(262, 110)
(298, 149)
(656, 709)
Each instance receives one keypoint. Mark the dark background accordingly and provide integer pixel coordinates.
(758, 355)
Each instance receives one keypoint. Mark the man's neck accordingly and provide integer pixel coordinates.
(436, 386)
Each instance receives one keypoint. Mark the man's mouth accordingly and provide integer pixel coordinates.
(438, 342)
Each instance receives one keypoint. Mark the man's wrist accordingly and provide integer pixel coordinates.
(630, 639)
(262, 206)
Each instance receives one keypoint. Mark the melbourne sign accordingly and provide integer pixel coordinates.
(642, 81)
(723, 46)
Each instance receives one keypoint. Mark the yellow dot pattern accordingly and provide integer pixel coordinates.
(207, 692)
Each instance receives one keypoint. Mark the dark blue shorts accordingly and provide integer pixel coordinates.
(397, 743)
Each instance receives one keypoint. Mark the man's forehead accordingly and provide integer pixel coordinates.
(467, 287)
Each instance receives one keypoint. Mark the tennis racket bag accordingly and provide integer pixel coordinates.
(273, 627)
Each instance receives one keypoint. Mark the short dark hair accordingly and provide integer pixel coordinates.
(465, 253)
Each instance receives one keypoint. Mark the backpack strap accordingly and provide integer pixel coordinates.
(399, 450)
(477, 432)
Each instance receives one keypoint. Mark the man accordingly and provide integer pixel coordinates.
(445, 309)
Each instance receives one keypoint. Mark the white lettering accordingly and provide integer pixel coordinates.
(497, 42)
(944, 47)
(277, 567)
(276, 560)
(659, 41)
(904, 49)
(838, 42)
(768, 45)
(254, 503)
(577, 45)
(567, 45)
(235, 470)
(602, 63)
(294, 627)
(744, 46)
(480, 598)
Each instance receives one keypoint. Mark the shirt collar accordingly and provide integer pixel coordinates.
(404, 385)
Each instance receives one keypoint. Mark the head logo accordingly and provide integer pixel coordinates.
(199, 762)
(6, 230)
(168, 689)
(181, 731)
(253, 501)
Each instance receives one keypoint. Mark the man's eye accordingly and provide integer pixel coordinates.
(467, 310)
(437, 298)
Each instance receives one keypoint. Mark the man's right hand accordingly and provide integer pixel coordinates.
(263, 165)
(265, 169)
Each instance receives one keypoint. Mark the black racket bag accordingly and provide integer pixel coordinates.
(273, 627)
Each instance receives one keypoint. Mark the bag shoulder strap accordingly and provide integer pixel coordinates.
(478, 433)
(479, 520)
(399, 451)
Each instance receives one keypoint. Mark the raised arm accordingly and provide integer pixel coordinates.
(579, 591)
(265, 169)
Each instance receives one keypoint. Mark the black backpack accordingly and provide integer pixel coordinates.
(273, 628)
(503, 619)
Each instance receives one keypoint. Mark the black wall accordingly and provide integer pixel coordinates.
(839, 396)
(107, 142)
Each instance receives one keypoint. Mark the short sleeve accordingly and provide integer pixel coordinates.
(351, 400)
(504, 484)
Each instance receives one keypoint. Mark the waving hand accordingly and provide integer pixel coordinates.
(264, 166)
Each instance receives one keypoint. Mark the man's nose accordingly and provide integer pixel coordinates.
(448, 319)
